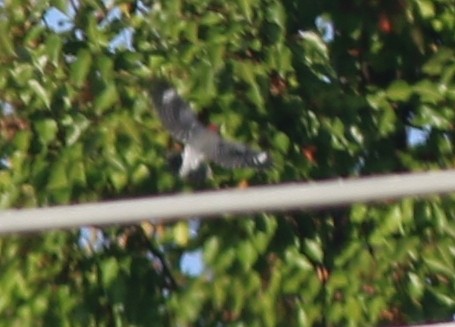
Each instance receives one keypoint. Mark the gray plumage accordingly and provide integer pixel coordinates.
(200, 142)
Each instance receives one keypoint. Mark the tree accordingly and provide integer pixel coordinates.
(332, 88)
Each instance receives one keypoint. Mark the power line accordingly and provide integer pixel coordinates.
(209, 204)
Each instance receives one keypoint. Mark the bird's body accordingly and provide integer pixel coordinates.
(201, 143)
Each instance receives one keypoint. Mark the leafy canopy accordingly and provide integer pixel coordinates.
(332, 88)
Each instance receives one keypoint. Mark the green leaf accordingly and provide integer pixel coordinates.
(225, 259)
(359, 213)
(40, 92)
(275, 13)
(81, 67)
(313, 250)
(338, 280)
(416, 286)
(34, 34)
(427, 115)
(316, 50)
(387, 120)
(353, 309)
(298, 260)
(75, 126)
(181, 233)
(281, 142)
(393, 220)
(428, 91)
(61, 5)
(211, 249)
(444, 299)
(437, 266)
(439, 216)
(22, 140)
(399, 91)
(58, 178)
(191, 31)
(6, 43)
(106, 99)
(210, 18)
(119, 180)
(95, 33)
(140, 174)
(46, 129)
(280, 59)
(246, 8)
(426, 8)
(77, 174)
(216, 53)
(437, 63)
(54, 48)
(110, 271)
(105, 66)
(247, 254)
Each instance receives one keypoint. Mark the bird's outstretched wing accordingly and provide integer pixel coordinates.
(236, 155)
(179, 119)
(175, 114)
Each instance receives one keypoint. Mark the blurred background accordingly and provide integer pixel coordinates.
(332, 89)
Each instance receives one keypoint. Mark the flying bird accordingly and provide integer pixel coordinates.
(201, 144)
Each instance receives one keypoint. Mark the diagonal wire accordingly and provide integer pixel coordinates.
(212, 204)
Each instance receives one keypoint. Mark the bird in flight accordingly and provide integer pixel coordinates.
(201, 144)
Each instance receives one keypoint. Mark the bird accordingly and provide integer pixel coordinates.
(201, 144)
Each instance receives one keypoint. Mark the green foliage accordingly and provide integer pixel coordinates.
(77, 126)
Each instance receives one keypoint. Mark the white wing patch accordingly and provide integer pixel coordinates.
(191, 160)
(168, 96)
